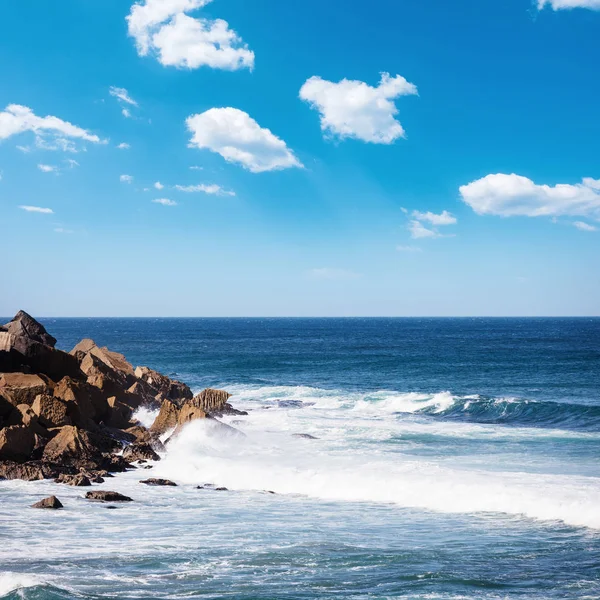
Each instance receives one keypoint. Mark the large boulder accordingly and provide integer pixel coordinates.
(113, 360)
(105, 496)
(16, 443)
(51, 411)
(140, 451)
(120, 414)
(52, 503)
(26, 472)
(21, 388)
(86, 403)
(25, 325)
(211, 401)
(163, 385)
(167, 418)
(188, 413)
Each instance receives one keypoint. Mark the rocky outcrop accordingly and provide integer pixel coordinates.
(16, 443)
(163, 386)
(79, 480)
(26, 472)
(51, 411)
(23, 388)
(52, 503)
(159, 482)
(25, 325)
(102, 496)
(167, 418)
(140, 451)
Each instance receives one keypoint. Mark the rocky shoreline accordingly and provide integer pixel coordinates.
(70, 416)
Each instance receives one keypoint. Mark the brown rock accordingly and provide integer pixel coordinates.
(159, 482)
(51, 411)
(167, 418)
(16, 443)
(113, 360)
(26, 472)
(26, 326)
(211, 401)
(21, 388)
(25, 416)
(140, 451)
(52, 503)
(85, 402)
(144, 393)
(160, 384)
(119, 415)
(103, 496)
(190, 413)
(78, 480)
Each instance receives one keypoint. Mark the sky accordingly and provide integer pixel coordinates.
(268, 158)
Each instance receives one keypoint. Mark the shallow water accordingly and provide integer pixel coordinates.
(455, 458)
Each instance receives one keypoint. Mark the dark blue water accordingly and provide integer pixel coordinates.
(456, 458)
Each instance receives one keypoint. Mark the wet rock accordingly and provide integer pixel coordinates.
(52, 503)
(211, 401)
(144, 393)
(221, 489)
(148, 467)
(26, 471)
(22, 388)
(190, 413)
(16, 443)
(120, 414)
(159, 482)
(51, 411)
(305, 436)
(140, 451)
(79, 480)
(166, 419)
(163, 385)
(103, 496)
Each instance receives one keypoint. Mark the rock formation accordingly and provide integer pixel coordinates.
(69, 416)
(52, 503)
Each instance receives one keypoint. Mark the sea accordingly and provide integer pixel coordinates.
(442, 459)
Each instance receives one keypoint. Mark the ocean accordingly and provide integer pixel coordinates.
(452, 459)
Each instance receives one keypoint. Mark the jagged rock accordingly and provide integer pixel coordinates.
(103, 496)
(113, 360)
(141, 434)
(21, 388)
(119, 415)
(73, 446)
(159, 482)
(211, 401)
(26, 472)
(190, 413)
(79, 480)
(16, 443)
(161, 384)
(85, 402)
(23, 415)
(140, 451)
(166, 419)
(144, 393)
(26, 326)
(51, 411)
(52, 503)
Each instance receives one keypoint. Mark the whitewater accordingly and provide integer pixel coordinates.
(336, 489)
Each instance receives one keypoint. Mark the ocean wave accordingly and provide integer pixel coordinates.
(14, 582)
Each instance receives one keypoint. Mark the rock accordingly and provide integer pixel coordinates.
(140, 433)
(16, 443)
(305, 436)
(120, 414)
(113, 360)
(159, 482)
(190, 413)
(167, 418)
(140, 451)
(148, 467)
(51, 411)
(85, 402)
(76, 447)
(144, 393)
(211, 401)
(21, 388)
(100, 375)
(52, 503)
(26, 326)
(103, 496)
(161, 384)
(221, 489)
(79, 480)
(26, 472)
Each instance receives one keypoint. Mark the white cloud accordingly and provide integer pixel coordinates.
(410, 249)
(48, 168)
(123, 146)
(419, 231)
(568, 4)
(158, 185)
(24, 149)
(58, 143)
(126, 179)
(212, 188)
(584, 226)
(327, 273)
(164, 202)
(161, 27)
(37, 209)
(195, 168)
(72, 163)
(238, 138)
(354, 109)
(16, 119)
(126, 113)
(122, 94)
(445, 218)
(514, 195)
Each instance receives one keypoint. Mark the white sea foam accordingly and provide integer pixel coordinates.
(11, 582)
(145, 416)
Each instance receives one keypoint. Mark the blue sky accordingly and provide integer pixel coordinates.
(296, 179)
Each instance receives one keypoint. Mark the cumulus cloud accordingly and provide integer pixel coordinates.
(158, 185)
(445, 218)
(37, 209)
(568, 4)
(165, 202)
(419, 231)
(162, 28)
(123, 146)
(513, 195)
(48, 168)
(327, 273)
(212, 188)
(17, 119)
(354, 109)
(126, 179)
(238, 138)
(584, 226)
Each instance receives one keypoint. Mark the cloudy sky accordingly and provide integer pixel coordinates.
(269, 158)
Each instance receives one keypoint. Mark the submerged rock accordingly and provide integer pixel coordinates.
(103, 496)
(159, 482)
(79, 480)
(140, 451)
(305, 436)
(52, 502)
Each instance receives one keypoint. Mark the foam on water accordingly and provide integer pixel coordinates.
(11, 582)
